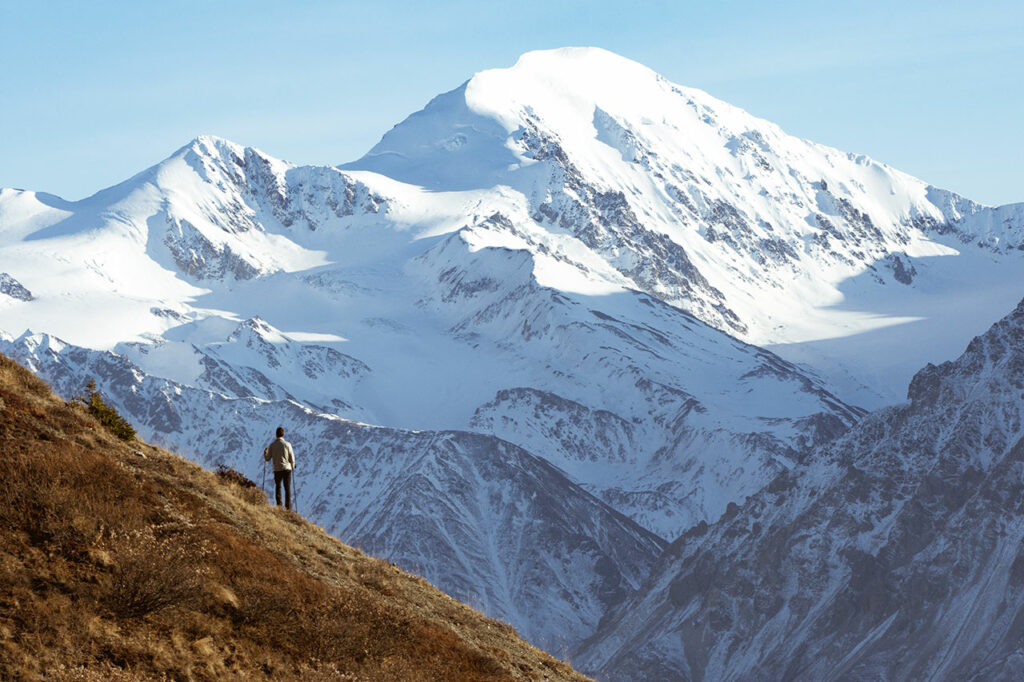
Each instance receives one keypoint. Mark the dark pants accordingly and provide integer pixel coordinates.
(283, 477)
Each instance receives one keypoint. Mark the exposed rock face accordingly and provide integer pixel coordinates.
(13, 288)
(578, 432)
(605, 221)
(196, 256)
(896, 554)
(902, 272)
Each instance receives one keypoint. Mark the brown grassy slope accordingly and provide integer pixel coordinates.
(121, 561)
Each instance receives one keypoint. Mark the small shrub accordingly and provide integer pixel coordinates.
(248, 490)
(105, 414)
(230, 475)
(153, 575)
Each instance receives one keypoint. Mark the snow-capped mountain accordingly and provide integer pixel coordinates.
(896, 554)
(779, 241)
(564, 291)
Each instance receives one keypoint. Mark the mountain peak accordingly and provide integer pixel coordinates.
(554, 84)
(258, 330)
(218, 150)
(471, 137)
(211, 144)
(575, 57)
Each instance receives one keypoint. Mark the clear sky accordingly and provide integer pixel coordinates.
(93, 92)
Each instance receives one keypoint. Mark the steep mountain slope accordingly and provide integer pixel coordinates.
(897, 554)
(121, 561)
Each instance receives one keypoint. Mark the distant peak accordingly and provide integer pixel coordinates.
(212, 141)
(211, 145)
(575, 62)
(40, 341)
(260, 328)
(257, 323)
(210, 151)
(207, 147)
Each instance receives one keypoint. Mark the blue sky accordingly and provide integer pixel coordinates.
(91, 93)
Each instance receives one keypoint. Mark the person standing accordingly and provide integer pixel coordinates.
(281, 453)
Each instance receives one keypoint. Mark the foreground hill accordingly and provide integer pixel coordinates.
(121, 561)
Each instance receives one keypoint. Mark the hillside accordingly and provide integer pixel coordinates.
(122, 561)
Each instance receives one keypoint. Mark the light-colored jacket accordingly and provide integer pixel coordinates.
(280, 451)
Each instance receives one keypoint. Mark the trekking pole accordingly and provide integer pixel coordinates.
(295, 492)
(264, 474)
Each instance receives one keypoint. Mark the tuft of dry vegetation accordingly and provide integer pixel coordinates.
(151, 574)
(119, 567)
(247, 488)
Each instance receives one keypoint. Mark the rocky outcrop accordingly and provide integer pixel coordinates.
(13, 288)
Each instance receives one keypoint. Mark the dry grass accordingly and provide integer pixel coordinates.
(152, 574)
(115, 566)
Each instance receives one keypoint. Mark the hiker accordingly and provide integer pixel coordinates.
(280, 451)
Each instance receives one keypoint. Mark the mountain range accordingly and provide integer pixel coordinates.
(549, 343)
